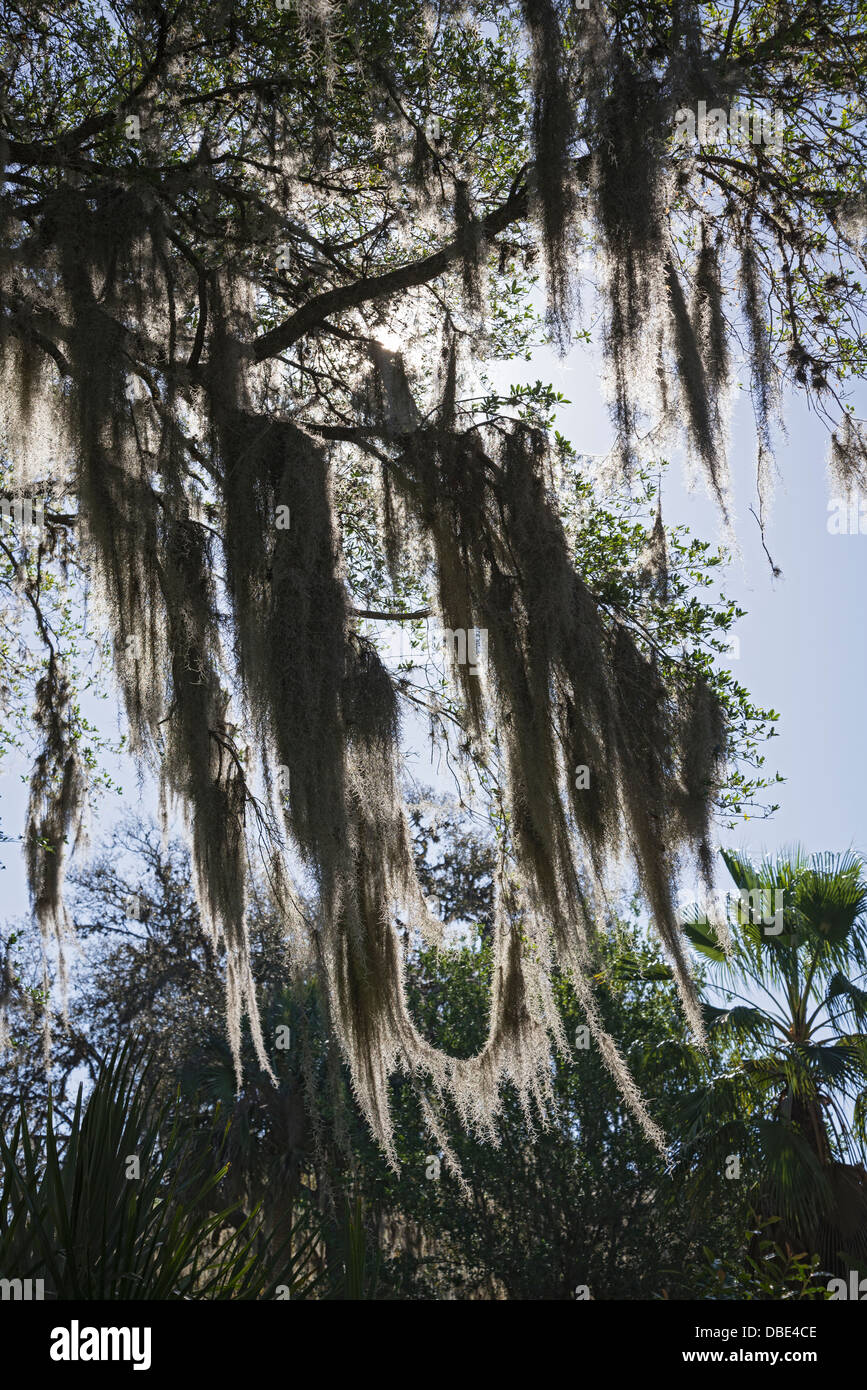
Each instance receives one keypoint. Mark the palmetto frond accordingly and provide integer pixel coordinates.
(793, 1017)
(846, 999)
(126, 1206)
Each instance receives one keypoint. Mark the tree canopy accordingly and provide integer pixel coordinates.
(254, 259)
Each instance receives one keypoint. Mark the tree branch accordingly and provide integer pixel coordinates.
(391, 617)
(312, 314)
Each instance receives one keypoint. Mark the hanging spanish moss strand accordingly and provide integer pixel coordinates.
(764, 385)
(153, 574)
(553, 133)
(567, 693)
(55, 824)
(708, 314)
(847, 456)
(695, 386)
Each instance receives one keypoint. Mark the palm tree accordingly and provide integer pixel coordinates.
(788, 1112)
